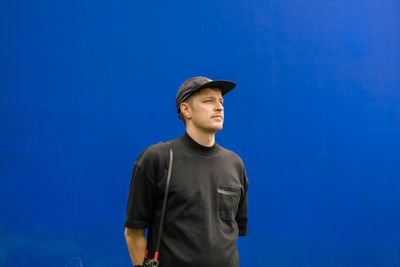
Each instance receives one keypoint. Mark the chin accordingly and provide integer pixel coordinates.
(217, 128)
(211, 128)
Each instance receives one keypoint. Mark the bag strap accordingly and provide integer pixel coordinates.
(164, 206)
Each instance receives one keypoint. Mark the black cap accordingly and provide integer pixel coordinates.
(192, 85)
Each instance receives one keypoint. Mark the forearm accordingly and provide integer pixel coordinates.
(136, 245)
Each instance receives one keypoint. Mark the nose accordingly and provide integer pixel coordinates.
(219, 107)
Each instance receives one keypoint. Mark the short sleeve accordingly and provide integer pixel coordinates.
(242, 214)
(140, 209)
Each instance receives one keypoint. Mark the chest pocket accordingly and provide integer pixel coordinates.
(228, 202)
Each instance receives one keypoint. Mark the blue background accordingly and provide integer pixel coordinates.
(87, 85)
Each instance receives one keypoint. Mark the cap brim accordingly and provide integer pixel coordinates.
(225, 86)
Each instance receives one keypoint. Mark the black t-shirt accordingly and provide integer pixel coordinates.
(207, 203)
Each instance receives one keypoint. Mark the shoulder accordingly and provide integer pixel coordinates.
(153, 161)
(154, 154)
(231, 156)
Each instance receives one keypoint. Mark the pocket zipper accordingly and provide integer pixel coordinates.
(229, 193)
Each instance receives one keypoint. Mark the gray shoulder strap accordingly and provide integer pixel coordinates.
(164, 206)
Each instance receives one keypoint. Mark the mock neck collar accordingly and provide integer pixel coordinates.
(196, 147)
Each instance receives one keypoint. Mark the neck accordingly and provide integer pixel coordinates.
(203, 138)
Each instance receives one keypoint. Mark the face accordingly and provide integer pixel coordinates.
(204, 110)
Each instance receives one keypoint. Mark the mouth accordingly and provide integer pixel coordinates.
(218, 116)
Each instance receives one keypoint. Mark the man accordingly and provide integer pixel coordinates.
(207, 198)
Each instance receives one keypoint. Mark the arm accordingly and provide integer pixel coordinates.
(242, 213)
(136, 244)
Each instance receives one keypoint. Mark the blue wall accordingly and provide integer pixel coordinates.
(87, 85)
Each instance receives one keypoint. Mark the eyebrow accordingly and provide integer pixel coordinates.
(212, 97)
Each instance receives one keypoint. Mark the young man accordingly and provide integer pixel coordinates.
(207, 198)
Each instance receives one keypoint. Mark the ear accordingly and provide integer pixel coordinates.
(186, 110)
